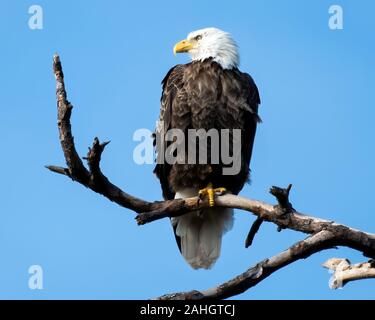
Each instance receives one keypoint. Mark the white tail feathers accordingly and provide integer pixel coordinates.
(200, 232)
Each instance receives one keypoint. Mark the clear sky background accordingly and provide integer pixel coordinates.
(317, 90)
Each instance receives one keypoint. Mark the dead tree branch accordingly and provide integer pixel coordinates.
(323, 234)
(252, 232)
(343, 272)
(300, 250)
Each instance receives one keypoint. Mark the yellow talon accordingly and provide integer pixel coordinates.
(220, 191)
(211, 200)
(210, 192)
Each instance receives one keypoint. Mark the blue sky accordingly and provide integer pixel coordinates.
(317, 90)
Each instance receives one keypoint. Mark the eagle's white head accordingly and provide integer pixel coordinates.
(210, 43)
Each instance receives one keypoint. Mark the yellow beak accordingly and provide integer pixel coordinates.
(182, 46)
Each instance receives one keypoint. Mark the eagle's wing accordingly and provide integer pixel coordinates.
(251, 116)
(172, 90)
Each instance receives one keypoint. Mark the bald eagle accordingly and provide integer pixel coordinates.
(210, 92)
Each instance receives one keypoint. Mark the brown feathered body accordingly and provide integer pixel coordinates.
(203, 95)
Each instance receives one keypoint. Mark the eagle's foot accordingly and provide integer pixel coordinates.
(210, 192)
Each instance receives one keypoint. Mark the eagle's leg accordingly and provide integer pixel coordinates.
(210, 192)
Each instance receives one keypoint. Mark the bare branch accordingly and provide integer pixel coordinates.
(301, 250)
(282, 196)
(77, 171)
(297, 221)
(252, 232)
(284, 206)
(92, 179)
(344, 272)
(59, 170)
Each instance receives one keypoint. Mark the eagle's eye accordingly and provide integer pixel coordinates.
(198, 37)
